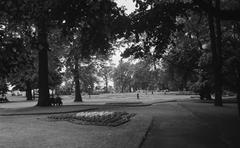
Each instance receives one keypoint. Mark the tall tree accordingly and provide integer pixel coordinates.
(231, 56)
(16, 55)
(3, 87)
(215, 34)
(39, 13)
(142, 75)
(122, 76)
(48, 14)
(215, 13)
(88, 76)
(105, 72)
(91, 34)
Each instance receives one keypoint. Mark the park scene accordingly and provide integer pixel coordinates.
(119, 74)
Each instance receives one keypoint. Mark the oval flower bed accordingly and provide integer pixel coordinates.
(102, 118)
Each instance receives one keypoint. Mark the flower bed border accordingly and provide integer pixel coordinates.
(114, 119)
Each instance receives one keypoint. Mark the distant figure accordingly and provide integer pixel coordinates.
(138, 94)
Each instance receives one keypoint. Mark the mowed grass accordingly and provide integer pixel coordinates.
(20, 101)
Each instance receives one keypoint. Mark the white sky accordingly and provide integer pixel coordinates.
(128, 4)
(130, 7)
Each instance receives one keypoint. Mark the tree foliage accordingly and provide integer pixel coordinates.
(122, 77)
(105, 72)
(95, 20)
(152, 26)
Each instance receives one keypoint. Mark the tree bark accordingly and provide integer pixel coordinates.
(106, 84)
(216, 62)
(78, 96)
(43, 65)
(238, 101)
(238, 91)
(155, 76)
(122, 88)
(28, 91)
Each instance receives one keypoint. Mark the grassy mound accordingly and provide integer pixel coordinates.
(101, 118)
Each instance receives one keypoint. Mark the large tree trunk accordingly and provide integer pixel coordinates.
(28, 90)
(78, 96)
(43, 65)
(154, 83)
(218, 80)
(106, 84)
(216, 58)
(238, 92)
(122, 88)
(238, 101)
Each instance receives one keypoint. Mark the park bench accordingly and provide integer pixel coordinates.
(56, 101)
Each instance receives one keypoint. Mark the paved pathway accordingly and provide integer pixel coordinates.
(194, 125)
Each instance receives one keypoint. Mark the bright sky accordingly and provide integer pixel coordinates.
(128, 4)
(130, 7)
